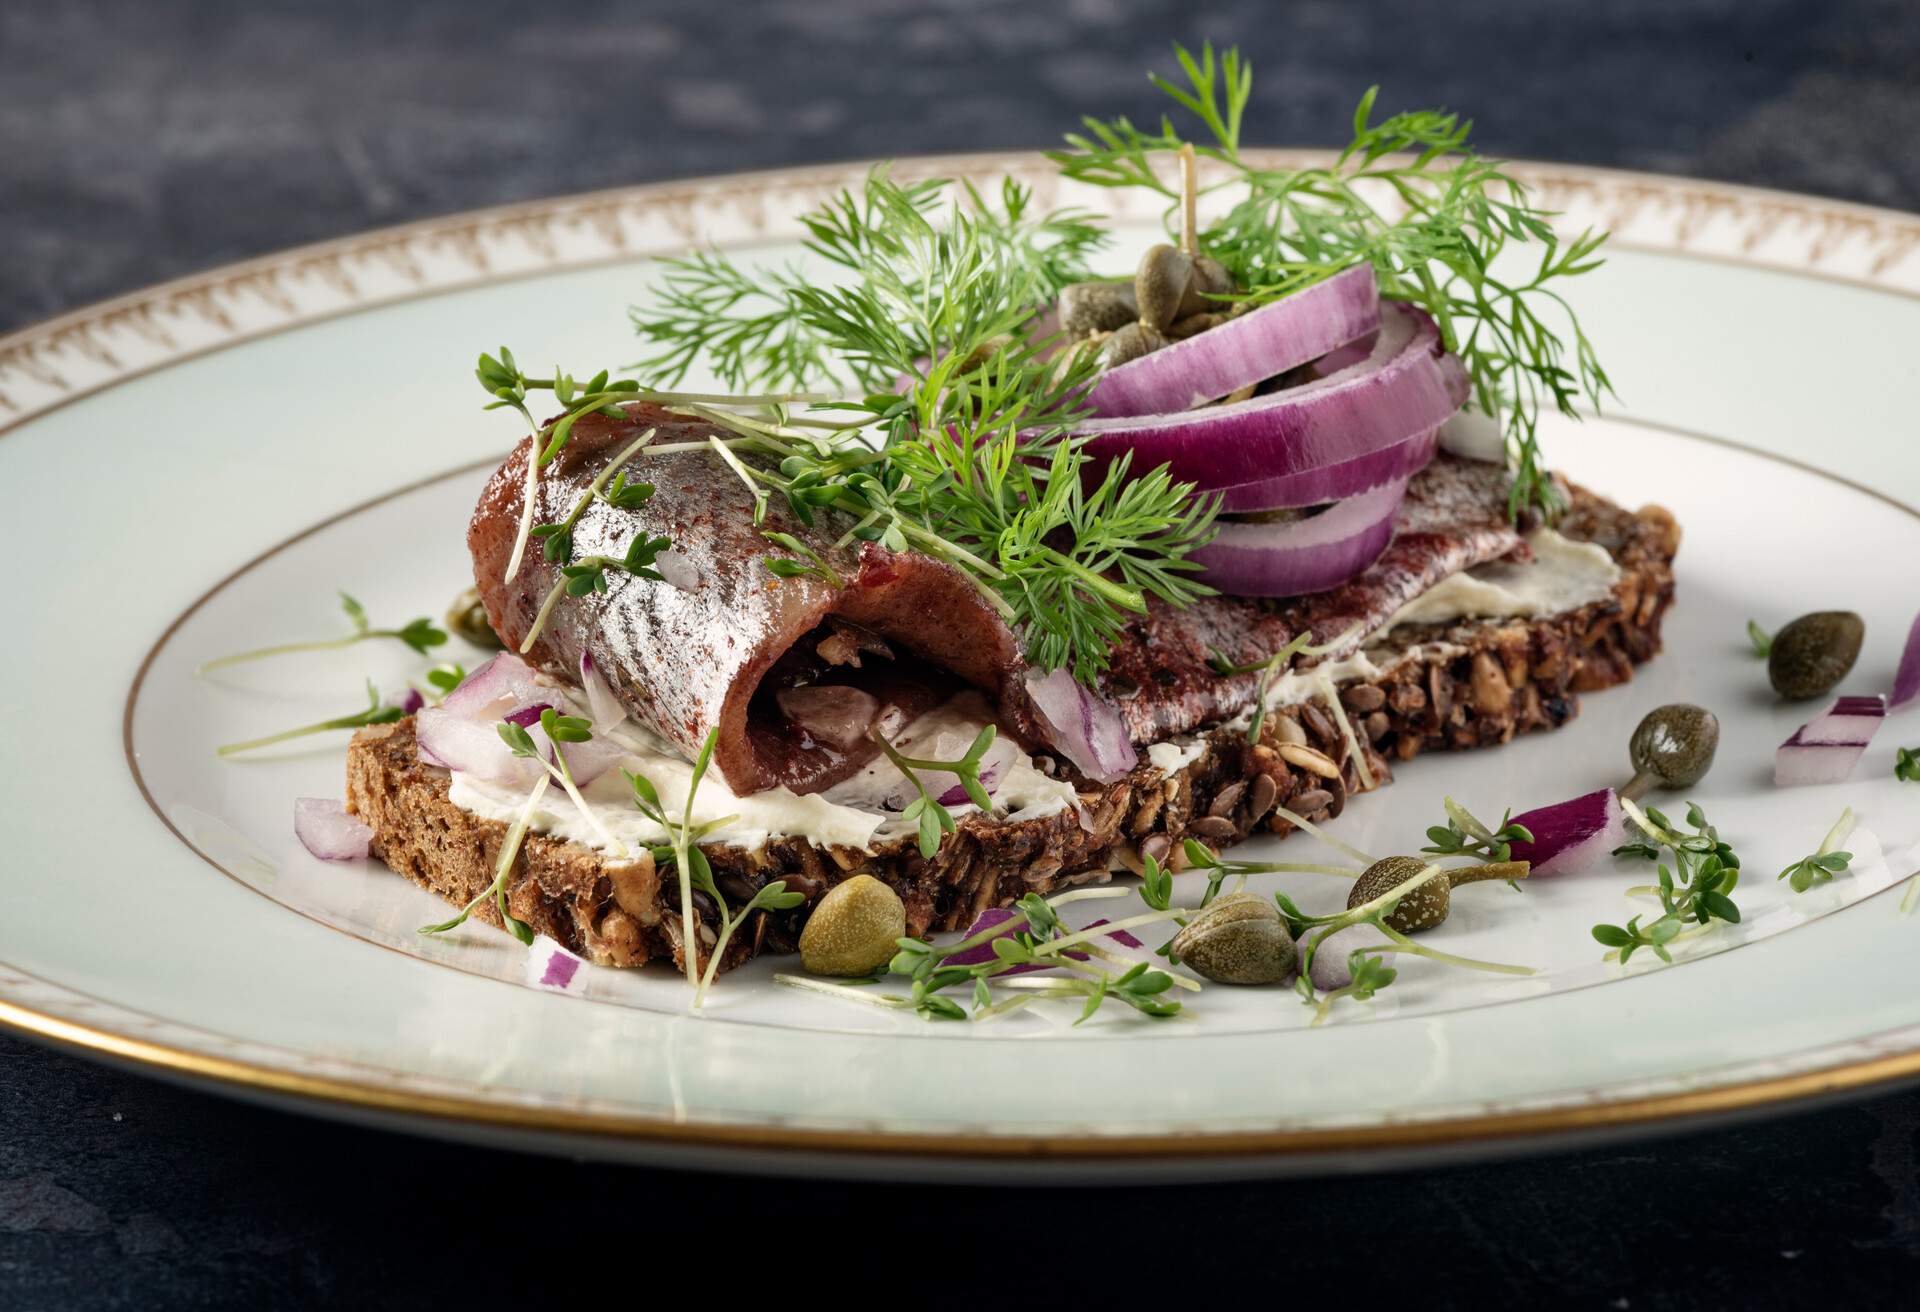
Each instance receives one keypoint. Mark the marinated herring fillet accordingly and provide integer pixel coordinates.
(904, 628)
(728, 651)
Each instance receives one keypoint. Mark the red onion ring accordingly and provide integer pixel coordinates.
(1256, 346)
(1337, 482)
(1406, 385)
(501, 684)
(1303, 556)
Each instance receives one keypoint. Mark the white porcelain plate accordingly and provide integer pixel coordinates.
(197, 468)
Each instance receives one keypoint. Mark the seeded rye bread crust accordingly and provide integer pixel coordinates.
(1470, 684)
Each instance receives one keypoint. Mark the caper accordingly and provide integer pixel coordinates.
(1672, 747)
(1427, 904)
(1160, 285)
(983, 353)
(1210, 281)
(1814, 652)
(1193, 324)
(1240, 939)
(468, 618)
(1087, 308)
(1130, 343)
(854, 929)
(1422, 908)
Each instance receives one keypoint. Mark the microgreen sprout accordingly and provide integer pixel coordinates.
(556, 540)
(420, 634)
(560, 730)
(1694, 890)
(1762, 640)
(497, 890)
(1374, 912)
(1463, 835)
(1368, 974)
(443, 679)
(1270, 668)
(689, 862)
(1033, 937)
(1906, 764)
(925, 811)
(589, 574)
(811, 562)
(374, 714)
(1827, 860)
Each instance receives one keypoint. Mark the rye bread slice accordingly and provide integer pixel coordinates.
(1454, 686)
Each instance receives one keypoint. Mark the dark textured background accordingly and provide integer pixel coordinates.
(139, 141)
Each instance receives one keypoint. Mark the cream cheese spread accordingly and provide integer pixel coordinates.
(1562, 576)
(851, 814)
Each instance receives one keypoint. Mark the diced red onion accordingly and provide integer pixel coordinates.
(412, 702)
(1802, 761)
(605, 708)
(989, 779)
(551, 966)
(472, 747)
(1906, 683)
(982, 954)
(527, 716)
(1251, 348)
(586, 761)
(1406, 385)
(1570, 836)
(1085, 729)
(1848, 721)
(1292, 559)
(1336, 482)
(1329, 969)
(325, 829)
(492, 690)
(835, 713)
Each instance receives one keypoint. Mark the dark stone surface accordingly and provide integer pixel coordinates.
(144, 140)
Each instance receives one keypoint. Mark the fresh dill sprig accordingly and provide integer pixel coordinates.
(374, 714)
(1409, 196)
(420, 634)
(925, 812)
(759, 328)
(962, 447)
